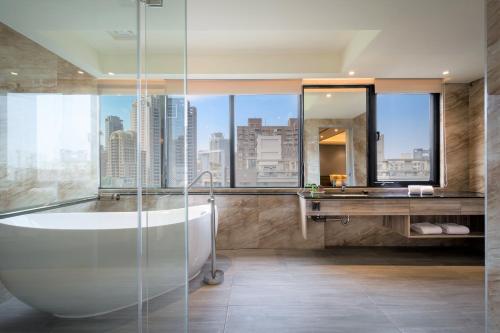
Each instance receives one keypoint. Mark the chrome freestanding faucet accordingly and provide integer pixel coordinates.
(215, 276)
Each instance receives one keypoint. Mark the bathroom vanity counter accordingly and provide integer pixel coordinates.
(385, 195)
(397, 208)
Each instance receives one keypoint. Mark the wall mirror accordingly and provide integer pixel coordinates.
(335, 149)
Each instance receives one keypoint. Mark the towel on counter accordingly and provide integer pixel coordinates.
(427, 190)
(426, 228)
(454, 229)
(414, 190)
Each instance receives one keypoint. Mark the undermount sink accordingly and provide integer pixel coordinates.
(348, 194)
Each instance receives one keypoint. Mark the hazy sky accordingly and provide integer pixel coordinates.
(273, 109)
(42, 125)
(404, 120)
(213, 116)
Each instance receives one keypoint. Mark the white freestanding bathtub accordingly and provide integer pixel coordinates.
(85, 264)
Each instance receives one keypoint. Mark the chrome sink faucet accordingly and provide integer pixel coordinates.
(344, 186)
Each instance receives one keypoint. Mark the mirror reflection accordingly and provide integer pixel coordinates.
(335, 136)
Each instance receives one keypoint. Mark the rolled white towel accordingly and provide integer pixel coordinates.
(426, 228)
(427, 190)
(454, 229)
(414, 190)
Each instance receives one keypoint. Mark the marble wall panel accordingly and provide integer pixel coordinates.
(456, 106)
(39, 70)
(261, 221)
(476, 131)
(360, 149)
(493, 44)
(464, 136)
(279, 224)
(493, 166)
(238, 227)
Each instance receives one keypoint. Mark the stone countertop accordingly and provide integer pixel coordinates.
(387, 195)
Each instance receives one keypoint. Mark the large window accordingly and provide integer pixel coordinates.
(48, 148)
(208, 142)
(405, 128)
(213, 142)
(263, 144)
(267, 140)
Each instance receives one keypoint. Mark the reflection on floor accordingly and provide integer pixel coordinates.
(337, 290)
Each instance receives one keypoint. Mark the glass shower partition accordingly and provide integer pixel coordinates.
(161, 123)
(87, 241)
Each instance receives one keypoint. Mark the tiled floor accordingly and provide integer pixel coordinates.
(338, 290)
(344, 290)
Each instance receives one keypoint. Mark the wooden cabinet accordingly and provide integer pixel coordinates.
(410, 206)
(472, 206)
(360, 207)
(436, 206)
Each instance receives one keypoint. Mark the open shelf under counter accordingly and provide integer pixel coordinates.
(402, 225)
(445, 236)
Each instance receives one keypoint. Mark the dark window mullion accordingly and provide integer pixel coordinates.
(232, 143)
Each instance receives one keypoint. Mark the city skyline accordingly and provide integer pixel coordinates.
(208, 137)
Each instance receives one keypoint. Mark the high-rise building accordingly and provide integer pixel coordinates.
(111, 124)
(150, 138)
(267, 155)
(421, 154)
(103, 161)
(175, 138)
(216, 159)
(121, 161)
(192, 141)
(380, 148)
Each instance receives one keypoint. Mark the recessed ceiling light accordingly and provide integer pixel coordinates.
(111, 73)
(321, 136)
(123, 35)
(446, 73)
(351, 73)
(328, 95)
(80, 72)
(14, 73)
(336, 130)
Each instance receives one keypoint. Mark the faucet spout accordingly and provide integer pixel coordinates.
(206, 172)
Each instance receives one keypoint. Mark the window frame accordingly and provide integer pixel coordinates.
(435, 145)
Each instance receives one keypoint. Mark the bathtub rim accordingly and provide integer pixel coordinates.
(179, 218)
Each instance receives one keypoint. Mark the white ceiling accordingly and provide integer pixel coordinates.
(334, 105)
(263, 38)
